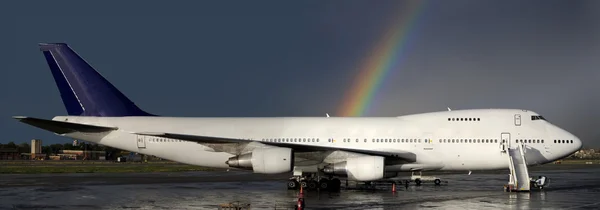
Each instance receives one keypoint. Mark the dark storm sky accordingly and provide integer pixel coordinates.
(298, 58)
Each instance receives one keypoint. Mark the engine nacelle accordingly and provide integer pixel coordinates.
(265, 160)
(365, 168)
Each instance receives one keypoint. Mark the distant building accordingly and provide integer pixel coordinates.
(10, 154)
(36, 149)
(82, 155)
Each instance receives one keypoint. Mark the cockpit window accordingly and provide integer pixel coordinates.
(537, 117)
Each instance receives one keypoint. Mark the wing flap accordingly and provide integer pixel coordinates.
(63, 127)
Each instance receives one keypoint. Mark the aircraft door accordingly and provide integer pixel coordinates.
(517, 120)
(428, 142)
(505, 142)
(141, 141)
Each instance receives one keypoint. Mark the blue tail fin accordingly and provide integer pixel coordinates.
(83, 90)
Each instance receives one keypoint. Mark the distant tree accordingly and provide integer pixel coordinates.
(11, 145)
(46, 150)
(55, 148)
(68, 146)
(24, 148)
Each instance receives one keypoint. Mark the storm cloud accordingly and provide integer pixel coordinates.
(274, 58)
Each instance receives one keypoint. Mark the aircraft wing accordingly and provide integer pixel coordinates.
(60, 127)
(401, 154)
(194, 138)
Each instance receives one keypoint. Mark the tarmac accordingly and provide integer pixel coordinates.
(571, 187)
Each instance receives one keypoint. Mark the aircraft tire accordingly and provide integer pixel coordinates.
(292, 185)
(313, 185)
(304, 184)
(335, 184)
(418, 182)
(324, 184)
(437, 182)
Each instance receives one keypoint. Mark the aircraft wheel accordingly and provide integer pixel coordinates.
(437, 182)
(304, 184)
(335, 184)
(324, 184)
(312, 185)
(418, 182)
(292, 184)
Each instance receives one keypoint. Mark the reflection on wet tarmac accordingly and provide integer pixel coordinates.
(573, 188)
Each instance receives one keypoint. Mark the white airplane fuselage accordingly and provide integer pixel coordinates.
(449, 140)
(361, 148)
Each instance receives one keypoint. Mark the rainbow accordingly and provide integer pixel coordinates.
(383, 59)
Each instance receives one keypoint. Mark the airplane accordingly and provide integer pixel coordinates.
(319, 151)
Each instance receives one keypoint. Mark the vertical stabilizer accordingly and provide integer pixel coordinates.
(83, 90)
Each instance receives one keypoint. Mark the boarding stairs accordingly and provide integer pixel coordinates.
(519, 174)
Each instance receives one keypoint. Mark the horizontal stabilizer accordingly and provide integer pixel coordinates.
(63, 127)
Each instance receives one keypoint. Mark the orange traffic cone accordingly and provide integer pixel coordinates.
(300, 204)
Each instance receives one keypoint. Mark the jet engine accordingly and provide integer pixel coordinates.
(365, 168)
(265, 160)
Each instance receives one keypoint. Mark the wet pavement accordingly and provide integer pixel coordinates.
(570, 188)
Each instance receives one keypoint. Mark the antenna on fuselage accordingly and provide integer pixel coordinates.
(449, 109)
(327, 114)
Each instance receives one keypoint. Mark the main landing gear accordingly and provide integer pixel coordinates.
(311, 183)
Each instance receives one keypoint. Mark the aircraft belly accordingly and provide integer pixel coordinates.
(187, 152)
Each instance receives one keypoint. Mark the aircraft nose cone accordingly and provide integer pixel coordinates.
(577, 142)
